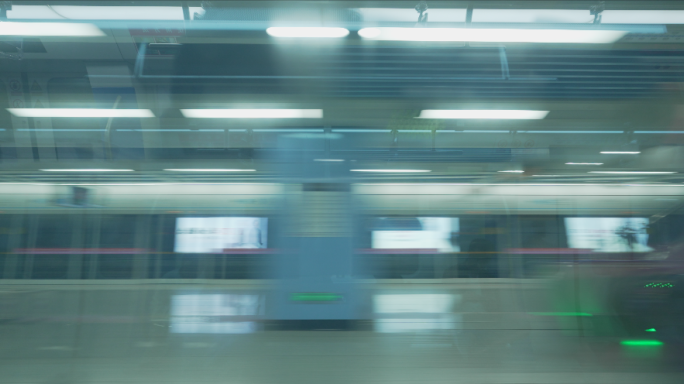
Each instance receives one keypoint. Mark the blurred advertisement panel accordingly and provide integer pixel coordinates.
(416, 233)
(214, 234)
(608, 234)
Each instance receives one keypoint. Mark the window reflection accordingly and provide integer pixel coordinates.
(214, 313)
(396, 313)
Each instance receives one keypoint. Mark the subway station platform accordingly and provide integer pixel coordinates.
(463, 331)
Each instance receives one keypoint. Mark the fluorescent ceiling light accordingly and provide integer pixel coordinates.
(633, 172)
(642, 17)
(58, 130)
(488, 35)
(332, 160)
(170, 130)
(548, 16)
(584, 163)
(481, 114)
(409, 15)
(571, 132)
(11, 28)
(308, 32)
(154, 130)
(484, 131)
(353, 130)
(159, 184)
(289, 130)
(575, 16)
(620, 152)
(659, 132)
(208, 170)
(392, 170)
(90, 12)
(546, 175)
(79, 112)
(512, 171)
(253, 113)
(520, 184)
(87, 170)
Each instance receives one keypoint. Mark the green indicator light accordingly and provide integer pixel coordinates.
(316, 297)
(651, 330)
(641, 343)
(659, 285)
(560, 314)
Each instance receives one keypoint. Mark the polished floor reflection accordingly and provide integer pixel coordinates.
(437, 333)
(215, 313)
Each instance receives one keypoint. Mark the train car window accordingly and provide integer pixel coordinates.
(117, 231)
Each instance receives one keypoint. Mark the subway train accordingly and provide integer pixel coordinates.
(133, 230)
(612, 265)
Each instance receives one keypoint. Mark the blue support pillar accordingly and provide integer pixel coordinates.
(315, 288)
